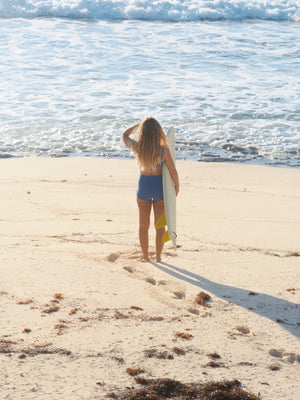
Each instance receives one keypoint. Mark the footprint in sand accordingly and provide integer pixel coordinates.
(112, 257)
(286, 356)
(162, 290)
(129, 269)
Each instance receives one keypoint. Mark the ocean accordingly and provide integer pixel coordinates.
(226, 74)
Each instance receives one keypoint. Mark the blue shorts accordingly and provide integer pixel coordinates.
(150, 187)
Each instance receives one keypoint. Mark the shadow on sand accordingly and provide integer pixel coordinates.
(278, 310)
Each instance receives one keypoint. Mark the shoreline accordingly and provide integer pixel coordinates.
(78, 308)
(116, 158)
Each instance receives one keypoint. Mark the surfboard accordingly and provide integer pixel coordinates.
(169, 218)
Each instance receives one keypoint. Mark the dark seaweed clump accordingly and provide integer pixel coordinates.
(162, 389)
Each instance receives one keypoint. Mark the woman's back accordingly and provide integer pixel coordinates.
(154, 171)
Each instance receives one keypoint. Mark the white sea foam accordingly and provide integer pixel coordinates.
(159, 10)
(70, 87)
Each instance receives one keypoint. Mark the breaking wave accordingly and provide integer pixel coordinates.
(159, 10)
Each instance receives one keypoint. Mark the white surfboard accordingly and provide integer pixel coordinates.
(169, 218)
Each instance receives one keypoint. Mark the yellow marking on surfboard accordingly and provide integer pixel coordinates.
(166, 237)
(162, 221)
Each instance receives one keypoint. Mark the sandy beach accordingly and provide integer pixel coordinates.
(79, 310)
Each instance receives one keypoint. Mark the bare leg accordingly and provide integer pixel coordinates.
(159, 209)
(144, 217)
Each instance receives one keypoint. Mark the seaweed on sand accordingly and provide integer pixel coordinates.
(154, 353)
(186, 336)
(202, 299)
(161, 389)
(134, 371)
(50, 310)
(28, 301)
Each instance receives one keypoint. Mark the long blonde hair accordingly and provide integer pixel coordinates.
(150, 138)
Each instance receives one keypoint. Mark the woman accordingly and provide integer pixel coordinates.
(151, 150)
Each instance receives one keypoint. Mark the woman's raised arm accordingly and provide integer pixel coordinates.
(130, 143)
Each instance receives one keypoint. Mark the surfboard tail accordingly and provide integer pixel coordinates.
(173, 238)
(167, 237)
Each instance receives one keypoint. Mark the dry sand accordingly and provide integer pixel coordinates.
(78, 307)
